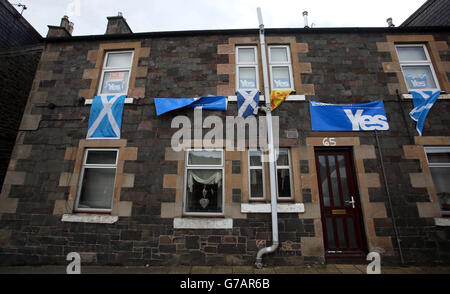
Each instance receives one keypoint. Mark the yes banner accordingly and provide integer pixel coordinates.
(350, 117)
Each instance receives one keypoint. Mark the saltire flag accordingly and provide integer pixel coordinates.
(247, 102)
(278, 97)
(105, 118)
(423, 101)
(164, 105)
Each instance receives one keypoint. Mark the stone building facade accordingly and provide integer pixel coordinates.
(20, 51)
(148, 222)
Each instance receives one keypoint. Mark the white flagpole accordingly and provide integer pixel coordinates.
(271, 147)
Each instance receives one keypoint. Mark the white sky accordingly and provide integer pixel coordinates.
(89, 16)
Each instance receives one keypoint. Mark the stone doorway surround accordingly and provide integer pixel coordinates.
(313, 246)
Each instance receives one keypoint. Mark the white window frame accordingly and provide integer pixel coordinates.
(254, 65)
(287, 63)
(188, 166)
(261, 167)
(106, 69)
(428, 62)
(84, 167)
(288, 167)
(438, 149)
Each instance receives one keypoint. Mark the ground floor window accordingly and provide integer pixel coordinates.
(284, 175)
(204, 182)
(98, 175)
(256, 175)
(439, 164)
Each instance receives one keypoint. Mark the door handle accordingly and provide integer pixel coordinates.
(352, 201)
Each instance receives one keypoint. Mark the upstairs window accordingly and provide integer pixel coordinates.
(98, 176)
(280, 68)
(439, 164)
(247, 77)
(116, 73)
(204, 182)
(417, 68)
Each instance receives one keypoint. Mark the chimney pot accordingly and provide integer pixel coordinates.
(305, 19)
(390, 23)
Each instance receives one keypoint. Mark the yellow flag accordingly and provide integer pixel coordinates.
(277, 97)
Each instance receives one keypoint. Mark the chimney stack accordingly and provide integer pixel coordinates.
(305, 19)
(65, 29)
(117, 25)
(389, 21)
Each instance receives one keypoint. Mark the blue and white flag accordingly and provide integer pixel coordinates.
(164, 105)
(423, 101)
(105, 119)
(247, 102)
(350, 117)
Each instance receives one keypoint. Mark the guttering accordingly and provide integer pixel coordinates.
(271, 147)
(274, 31)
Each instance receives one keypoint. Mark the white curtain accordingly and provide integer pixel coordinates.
(206, 177)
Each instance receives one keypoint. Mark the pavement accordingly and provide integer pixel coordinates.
(228, 270)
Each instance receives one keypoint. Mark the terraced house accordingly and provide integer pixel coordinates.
(136, 200)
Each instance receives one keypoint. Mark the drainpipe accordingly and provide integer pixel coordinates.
(273, 191)
(386, 187)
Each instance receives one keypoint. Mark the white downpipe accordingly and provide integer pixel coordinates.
(273, 191)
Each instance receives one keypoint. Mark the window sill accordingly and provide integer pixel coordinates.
(261, 98)
(442, 96)
(266, 208)
(202, 223)
(90, 218)
(442, 222)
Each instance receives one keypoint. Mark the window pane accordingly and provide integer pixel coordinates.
(256, 183)
(115, 82)
(281, 77)
(330, 233)
(205, 158)
(284, 183)
(439, 157)
(413, 53)
(343, 175)
(351, 233)
(279, 54)
(418, 76)
(204, 190)
(255, 157)
(283, 158)
(334, 180)
(341, 233)
(247, 78)
(98, 187)
(101, 157)
(441, 180)
(246, 55)
(324, 180)
(119, 60)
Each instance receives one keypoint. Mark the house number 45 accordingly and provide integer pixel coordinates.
(329, 141)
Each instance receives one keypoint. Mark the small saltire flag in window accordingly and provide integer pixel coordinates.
(423, 101)
(278, 97)
(247, 102)
(105, 119)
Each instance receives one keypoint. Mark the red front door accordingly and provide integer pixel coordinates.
(340, 206)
